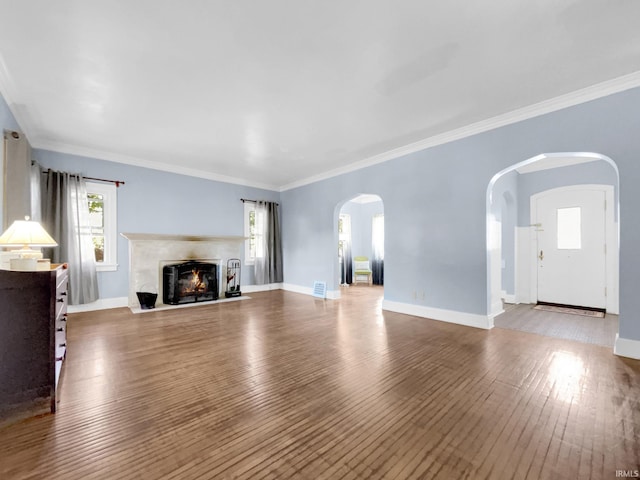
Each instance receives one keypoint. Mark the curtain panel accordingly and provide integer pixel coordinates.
(268, 262)
(65, 215)
(346, 260)
(377, 264)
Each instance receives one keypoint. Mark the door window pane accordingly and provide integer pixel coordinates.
(569, 226)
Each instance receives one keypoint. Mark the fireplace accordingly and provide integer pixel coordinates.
(189, 282)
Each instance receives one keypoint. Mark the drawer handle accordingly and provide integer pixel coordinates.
(59, 359)
(61, 300)
(62, 345)
(60, 329)
(63, 293)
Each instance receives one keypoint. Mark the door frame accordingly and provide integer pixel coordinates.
(611, 238)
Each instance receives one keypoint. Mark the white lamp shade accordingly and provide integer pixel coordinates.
(24, 233)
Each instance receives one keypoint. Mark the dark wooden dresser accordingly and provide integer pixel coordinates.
(33, 328)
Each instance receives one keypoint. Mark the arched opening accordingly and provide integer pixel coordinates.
(528, 261)
(359, 236)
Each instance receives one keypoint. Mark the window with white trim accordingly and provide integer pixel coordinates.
(103, 208)
(250, 233)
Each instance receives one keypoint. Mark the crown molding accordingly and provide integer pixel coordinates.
(577, 97)
(140, 162)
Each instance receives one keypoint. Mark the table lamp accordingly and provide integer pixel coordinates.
(26, 234)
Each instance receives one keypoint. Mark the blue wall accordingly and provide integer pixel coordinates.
(434, 201)
(152, 201)
(597, 172)
(435, 234)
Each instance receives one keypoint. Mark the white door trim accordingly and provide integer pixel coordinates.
(612, 252)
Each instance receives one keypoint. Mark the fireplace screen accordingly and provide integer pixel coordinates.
(190, 282)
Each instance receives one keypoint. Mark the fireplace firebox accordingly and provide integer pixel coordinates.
(189, 282)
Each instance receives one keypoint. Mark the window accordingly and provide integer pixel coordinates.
(569, 226)
(250, 233)
(102, 200)
(344, 234)
(377, 236)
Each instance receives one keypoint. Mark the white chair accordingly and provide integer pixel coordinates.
(361, 270)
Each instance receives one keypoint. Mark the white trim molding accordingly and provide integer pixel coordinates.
(599, 90)
(100, 304)
(511, 299)
(290, 287)
(261, 288)
(626, 347)
(451, 316)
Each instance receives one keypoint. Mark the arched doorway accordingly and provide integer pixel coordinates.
(360, 238)
(514, 260)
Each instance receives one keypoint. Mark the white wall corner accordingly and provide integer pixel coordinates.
(496, 307)
(509, 299)
(625, 347)
(451, 316)
(100, 304)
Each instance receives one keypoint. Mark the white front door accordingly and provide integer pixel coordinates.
(571, 236)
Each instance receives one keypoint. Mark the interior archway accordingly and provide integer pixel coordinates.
(511, 190)
(359, 232)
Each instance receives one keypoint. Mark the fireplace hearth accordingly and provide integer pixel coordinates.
(189, 282)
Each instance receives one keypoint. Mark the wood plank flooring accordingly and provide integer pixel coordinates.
(287, 386)
(523, 317)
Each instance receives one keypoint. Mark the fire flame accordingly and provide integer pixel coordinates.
(195, 283)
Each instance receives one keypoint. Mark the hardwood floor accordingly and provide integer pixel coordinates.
(287, 386)
(523, 317)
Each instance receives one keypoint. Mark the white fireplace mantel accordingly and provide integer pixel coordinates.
(148, 252)
(182, 238)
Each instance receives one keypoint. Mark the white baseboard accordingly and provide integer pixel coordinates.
(625, 347)
(509, 298)
(261, 288)
(290, 287)
(451, 316)
(163, 306)
(100, 304)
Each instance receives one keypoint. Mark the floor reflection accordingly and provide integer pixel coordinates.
(566, 376)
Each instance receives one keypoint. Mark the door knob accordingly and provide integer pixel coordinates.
(541, 256)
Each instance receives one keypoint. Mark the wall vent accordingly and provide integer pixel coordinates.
(319, 289)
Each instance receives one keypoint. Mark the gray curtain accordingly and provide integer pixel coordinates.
(347, 263)
(377, 263)
(268, 263)
(65, 215)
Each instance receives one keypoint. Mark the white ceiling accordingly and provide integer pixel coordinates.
(276, 93)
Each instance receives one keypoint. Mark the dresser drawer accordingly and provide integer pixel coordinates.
(61, 292)
(61, 343)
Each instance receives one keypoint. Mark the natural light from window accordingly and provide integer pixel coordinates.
(569, 226)
(101, 199)
(250, 233)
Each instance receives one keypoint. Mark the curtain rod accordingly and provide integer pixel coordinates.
(117, 182)
(243, 200)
